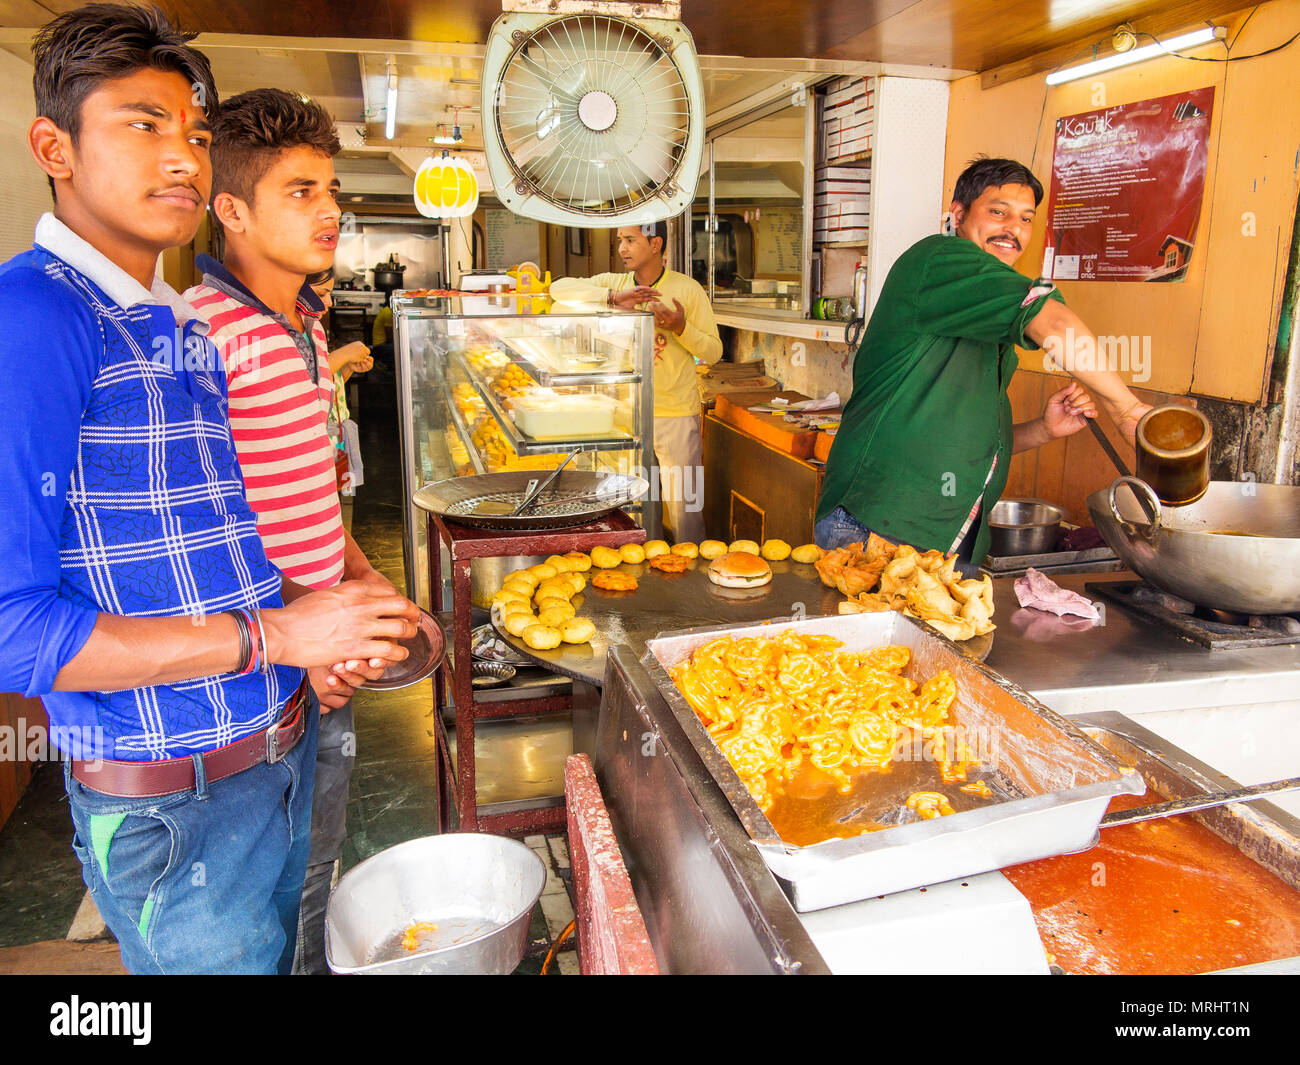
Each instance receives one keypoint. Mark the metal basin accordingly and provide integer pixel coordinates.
(1237, 548)
(479, 891)
(1023, 527)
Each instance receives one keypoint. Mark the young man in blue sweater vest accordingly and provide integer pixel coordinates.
(136, 598)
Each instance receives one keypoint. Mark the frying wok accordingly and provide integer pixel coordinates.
(1237, 548)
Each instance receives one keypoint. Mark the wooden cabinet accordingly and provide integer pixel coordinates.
(19, 718)
(752, 491)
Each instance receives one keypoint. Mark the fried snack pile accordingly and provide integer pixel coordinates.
(922, 585)
(853, 569)
(927, 586)
(536, 605)
(771, 704)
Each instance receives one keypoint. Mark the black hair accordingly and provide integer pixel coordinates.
(78, 51)
(253, 128)
(984, 173)
(657, 229)
(320, 276)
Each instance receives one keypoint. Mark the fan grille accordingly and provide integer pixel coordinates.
(592, 114)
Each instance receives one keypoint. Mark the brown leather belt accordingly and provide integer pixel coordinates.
(150, 779)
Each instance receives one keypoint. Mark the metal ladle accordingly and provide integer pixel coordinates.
(1198, 802)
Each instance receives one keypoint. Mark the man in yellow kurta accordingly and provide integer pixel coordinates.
(685, 335)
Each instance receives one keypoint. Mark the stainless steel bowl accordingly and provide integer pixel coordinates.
(479, 890)
(1237, 548)
(1023, 527)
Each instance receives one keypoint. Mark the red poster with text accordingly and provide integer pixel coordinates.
(1126, 190)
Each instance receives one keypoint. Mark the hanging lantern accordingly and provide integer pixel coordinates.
(446, 188)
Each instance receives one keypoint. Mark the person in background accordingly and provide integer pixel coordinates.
(136, 598)
(924, 446)
(686, 335)
(351, 358)
(274, 195)
(381, 333)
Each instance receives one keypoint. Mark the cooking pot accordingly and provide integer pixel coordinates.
(1023, 527)
(388, 276)
(1237, 548)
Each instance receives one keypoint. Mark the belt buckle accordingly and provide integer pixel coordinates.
(273, 754)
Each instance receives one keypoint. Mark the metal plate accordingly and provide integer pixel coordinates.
(669, 601)
(491, 674)
(488, 645)
(426, 649)
(456, 497)
(1063, 778)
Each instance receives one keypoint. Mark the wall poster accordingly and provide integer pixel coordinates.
(1126, 190)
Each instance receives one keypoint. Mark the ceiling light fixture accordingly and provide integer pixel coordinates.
(1137, 55)
(390, 111)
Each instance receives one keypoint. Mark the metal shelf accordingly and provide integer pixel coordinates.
(548, 378)
(527, 445)
(466, 438)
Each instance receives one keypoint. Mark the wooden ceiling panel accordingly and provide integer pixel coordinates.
(951, 34)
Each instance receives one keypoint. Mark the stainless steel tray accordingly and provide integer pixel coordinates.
(456, 498)
(1065, 781)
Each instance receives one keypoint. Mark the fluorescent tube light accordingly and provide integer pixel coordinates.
(390, 110)
(1137, 55)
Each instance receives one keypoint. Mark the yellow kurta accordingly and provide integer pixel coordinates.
(676, 391)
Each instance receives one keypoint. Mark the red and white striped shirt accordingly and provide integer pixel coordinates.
(278, 421)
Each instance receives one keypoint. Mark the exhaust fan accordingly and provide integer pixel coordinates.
(591, 118)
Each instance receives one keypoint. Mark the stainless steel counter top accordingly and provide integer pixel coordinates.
(1072, 665)
(1126, 664)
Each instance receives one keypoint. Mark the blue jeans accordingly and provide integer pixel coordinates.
(840, 528)
(207, 880)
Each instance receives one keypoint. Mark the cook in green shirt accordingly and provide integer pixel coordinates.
(927, 435)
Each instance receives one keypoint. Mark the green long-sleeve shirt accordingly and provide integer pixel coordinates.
(929, 412)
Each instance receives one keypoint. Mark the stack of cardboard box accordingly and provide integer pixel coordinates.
(848, 117)
(841, 204)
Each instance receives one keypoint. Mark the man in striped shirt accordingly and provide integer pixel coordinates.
(274, 196)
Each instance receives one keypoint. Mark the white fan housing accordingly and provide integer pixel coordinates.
(591, 119)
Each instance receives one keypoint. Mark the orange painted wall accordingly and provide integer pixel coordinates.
(1212, 334)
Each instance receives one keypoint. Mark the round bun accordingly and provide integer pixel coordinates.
(806, 554)
(541, 637)
(775, 550)
(581, 563)
(633, 553)
(559, 562)
(739, 569)
(743, 545)
(555, 612)
(655, 548)
(712, 548)
(686, 550)
(517, 623)
(603, 557)
(577, 630)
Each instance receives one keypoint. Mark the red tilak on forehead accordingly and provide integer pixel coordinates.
(182, 114)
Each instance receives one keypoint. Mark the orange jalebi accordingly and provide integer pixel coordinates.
(773, 704)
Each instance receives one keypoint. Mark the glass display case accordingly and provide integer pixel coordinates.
(494, 383)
